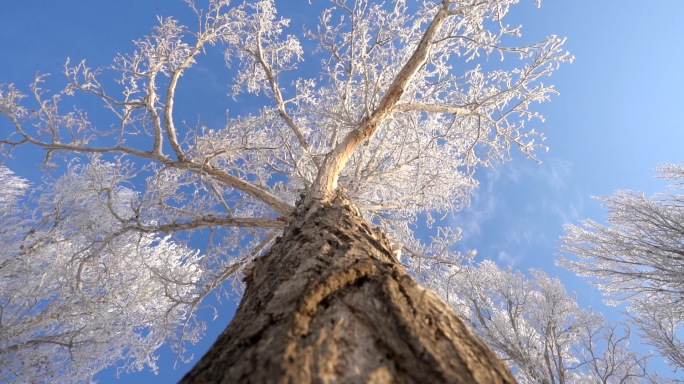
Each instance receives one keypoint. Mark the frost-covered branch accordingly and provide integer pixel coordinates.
(392, 102)
(326, 182)
(539, 329)
(637, 258)
(434, 108)
(64, 312)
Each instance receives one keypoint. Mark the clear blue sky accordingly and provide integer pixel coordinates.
(618, 116)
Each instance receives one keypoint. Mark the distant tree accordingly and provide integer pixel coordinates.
(402, 109)
(539, 330)
(638, 258)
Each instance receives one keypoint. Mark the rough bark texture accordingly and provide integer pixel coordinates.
(330, 304)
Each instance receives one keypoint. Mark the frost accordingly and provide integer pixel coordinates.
(401, 109)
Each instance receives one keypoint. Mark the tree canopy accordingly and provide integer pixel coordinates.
(637, 258)
(538, 328)
(403, 106)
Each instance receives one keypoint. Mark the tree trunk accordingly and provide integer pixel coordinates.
(329, 303)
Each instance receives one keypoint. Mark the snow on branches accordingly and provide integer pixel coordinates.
(78, 290)
(538, 328)
(395, 102)
(637, 258)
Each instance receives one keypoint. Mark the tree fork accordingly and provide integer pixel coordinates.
(330, 303)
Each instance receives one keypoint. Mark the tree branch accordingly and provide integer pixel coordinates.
(434, 108)
(211, 221)
(278, 95)
(326, 182)
(267, 198)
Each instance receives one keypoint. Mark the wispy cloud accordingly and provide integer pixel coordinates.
(482, 207)
(505, 258)
(556, 172)
(517, 214)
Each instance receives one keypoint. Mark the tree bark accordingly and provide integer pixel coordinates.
(329, 303)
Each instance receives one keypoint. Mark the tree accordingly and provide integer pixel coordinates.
(402, 110)
(638, 258)
(539, 330)
(76, 295)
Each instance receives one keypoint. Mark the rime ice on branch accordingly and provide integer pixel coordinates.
(400, 110)
(637, 258)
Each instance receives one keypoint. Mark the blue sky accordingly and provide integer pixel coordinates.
(618, 116)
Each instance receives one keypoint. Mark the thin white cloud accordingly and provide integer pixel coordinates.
(482, 207)
(520, 210)
(505, 258)
(556, 173)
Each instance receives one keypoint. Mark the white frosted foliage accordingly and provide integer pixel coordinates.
(79, 292)
(538, 328)
(396, 103)
(637, 258)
